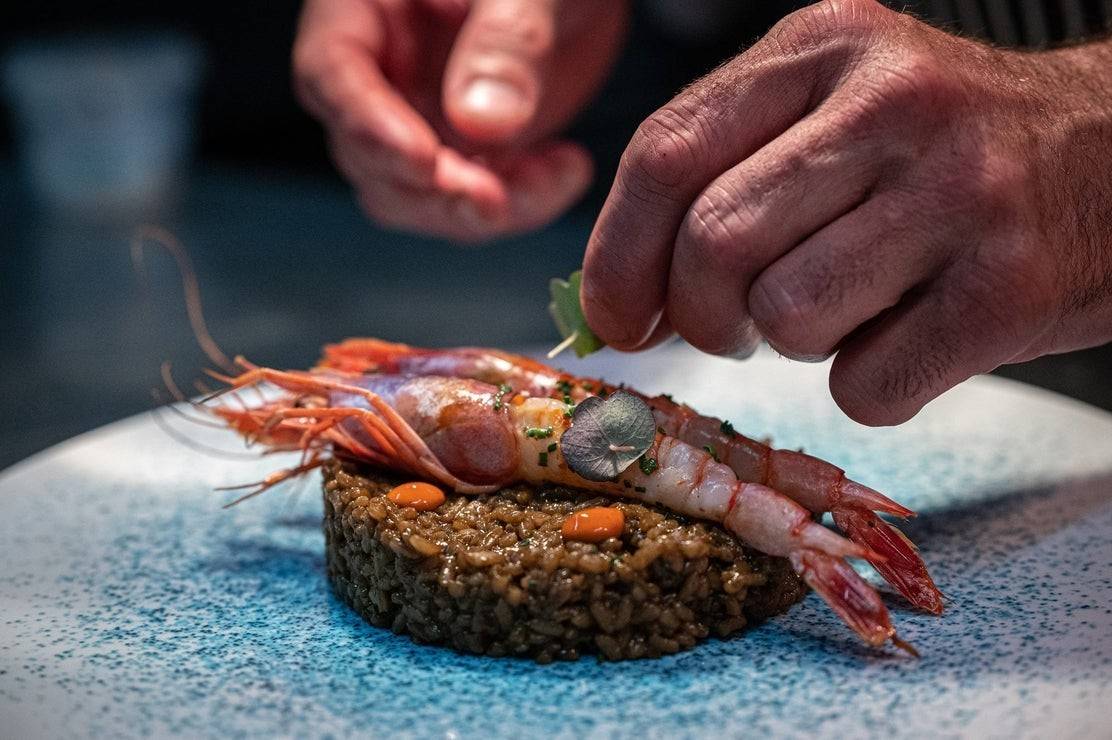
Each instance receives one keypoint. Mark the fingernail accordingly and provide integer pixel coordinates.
(746, 343)
(743, 352)
(493, 98)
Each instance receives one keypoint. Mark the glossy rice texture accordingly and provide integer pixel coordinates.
(493, 575)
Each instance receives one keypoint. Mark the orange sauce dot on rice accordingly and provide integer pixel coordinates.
(594, 524)
(417, 495)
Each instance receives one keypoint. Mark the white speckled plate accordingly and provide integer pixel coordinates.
(130, 604)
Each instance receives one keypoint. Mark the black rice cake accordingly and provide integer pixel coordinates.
(493, 575)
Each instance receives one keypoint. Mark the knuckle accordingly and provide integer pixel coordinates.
(919, 80)
(996, 188)
(665, 150)
(784, 309)
(712, 234)
(820, 23)
(916, 89)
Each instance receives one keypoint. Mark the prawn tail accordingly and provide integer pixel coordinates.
(901, 566)
(853, 494)
(848, 594)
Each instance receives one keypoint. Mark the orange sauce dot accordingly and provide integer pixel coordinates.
(417, 495)
(594, 525)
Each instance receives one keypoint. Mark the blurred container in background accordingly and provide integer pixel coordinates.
(104, 123)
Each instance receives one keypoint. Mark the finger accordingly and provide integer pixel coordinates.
(430, 212)
(844, 275)
(661, 334)
(493, 81)
(470, 201)
(450, 10)
(544, 183)
(338, 79)
(520, 191)
(753, 214)
(675, 154)
(930, 342)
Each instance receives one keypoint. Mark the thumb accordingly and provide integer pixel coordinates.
(496, 71)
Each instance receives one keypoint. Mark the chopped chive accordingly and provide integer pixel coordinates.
(661, 430)
(552, 447)
(728, 429)
(563, 386)
(502, 391)
(711, 451)
(668, 396)
(648, 465)
(538, 432)
(542, 459)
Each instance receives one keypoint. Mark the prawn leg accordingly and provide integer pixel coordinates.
(382, 423)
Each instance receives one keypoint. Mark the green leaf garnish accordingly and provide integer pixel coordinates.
(567, 312)
(607, 436)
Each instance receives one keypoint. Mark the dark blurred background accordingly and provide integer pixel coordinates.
(285, 259)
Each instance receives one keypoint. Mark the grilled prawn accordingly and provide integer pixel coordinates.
(811, 482)
(473, 436)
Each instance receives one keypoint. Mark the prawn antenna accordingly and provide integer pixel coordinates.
(149, 234)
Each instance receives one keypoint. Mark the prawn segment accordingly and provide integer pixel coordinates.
(902, 567)
(816, 484)
(690, 481)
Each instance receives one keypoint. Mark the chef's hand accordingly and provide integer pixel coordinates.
(412, 92)
(858, 182)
